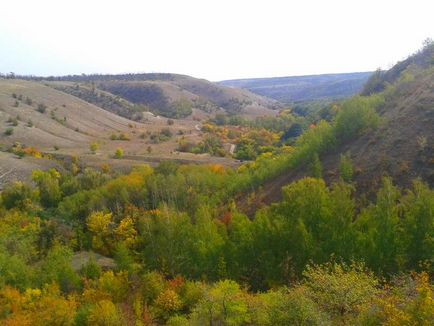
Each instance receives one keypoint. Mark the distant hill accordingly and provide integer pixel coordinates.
(304, 88)
(169, 95)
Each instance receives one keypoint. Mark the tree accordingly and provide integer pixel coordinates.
(99, 225)
(346, 168)
(418, 226)
(223, 305)
(17, 195)
(380, 238)
(104, 313)
(48, 186)
(93, 147)
(119, 153)
(41, 108)
(315, 167)
(340, 289)
(57, 267)
(356, 116)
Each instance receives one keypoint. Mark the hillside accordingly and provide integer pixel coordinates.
(169, 95)
(304, 88)
(381, 79)
(38, 120)
(402, 147)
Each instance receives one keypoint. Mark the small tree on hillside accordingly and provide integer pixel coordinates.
(346, 168)
(94, 147)
(41, 108)
(315, 167)
(119, 153)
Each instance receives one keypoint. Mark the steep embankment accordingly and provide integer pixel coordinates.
(402, 147)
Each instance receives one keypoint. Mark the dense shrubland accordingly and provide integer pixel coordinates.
(184, 254)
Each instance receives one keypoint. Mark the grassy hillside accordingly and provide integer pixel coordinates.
(38, 122)
(169, 95)
(304, 88)
(400, 145)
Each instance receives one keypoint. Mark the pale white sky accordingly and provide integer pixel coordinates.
(220, 39)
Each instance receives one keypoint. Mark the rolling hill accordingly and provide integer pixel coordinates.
(43, 119)
(169, 95)
(304, 88)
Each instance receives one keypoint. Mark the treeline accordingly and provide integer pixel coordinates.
(97, 77)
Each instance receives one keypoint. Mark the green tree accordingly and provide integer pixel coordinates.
(340, 289)
(119, 153)
(224, 305)
(57, 267)
(418, 226)
(346, 168)
(315, 167)
(48, 186)
(93, 147)
(380, 238)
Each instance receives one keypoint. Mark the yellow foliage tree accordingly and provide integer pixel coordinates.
(99, 224)
(104, 313)
(126, 231)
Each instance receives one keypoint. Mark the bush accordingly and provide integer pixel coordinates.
(18, 195)
(123, 136)
(9, 132)
(357, 115)
(165, 132)
(41, 108)
(29, 101)
(93, 147)
(119, 153)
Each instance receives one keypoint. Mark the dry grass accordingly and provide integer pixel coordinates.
(69, 125)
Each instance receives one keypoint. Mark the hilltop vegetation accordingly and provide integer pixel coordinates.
(381, 79)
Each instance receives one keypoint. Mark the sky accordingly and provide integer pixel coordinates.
(215, 40)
